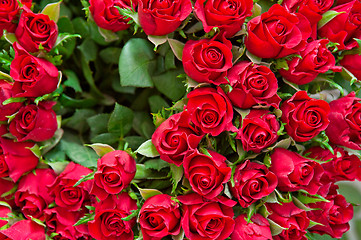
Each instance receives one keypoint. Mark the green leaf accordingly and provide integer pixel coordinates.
(109, 36)
(306, 198)
(157, 103)
(52, 10)
(10, 37)
(101, 149)
(78, 120)
(148, 149)
(275, 228)
(38, 221)
(106, 138)
(72, 80)
(85, 219)
(58, 167)
(136, 63)
(5, 204)
(64, 37)
(157, 40)
(120, 120)
(326, 17)
(253, 58)
(177, 174)
(133, 214)
(156, 164)
(98, 124)
(171, 86)
(177, 48)
(110, 55)
(6, 77)
(85, 178)
(14, 100)
(89, 49)
(147, 193)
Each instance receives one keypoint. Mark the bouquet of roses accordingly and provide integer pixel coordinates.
(178, 119)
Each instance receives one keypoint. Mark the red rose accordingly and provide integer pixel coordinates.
(305, 117)
(258, 131)
(252, 181)
(334, 216)
(107, 16)
(316, 59)
(36, 29)
(206, 174)
(252, 85)
(295, 172)
(32, 195)
(159, 217)
(25, 230)
(342, 167)
(345, 122)
(277, 33)
(228, 16)
(353, 64)
(6, 186)
(33, 76)
(211, 219)
(288, 216)
(175, 137)
(210, 110)
(34, 122)
(18, 157)
(115, 171)
(162, 17)
(60, 220)
(9, 11)
(66, 195)
(345, 26)
(6, 93)
(207, 60)
(108, 223)
(257, 229)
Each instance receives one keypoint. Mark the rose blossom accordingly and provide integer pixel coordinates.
(33, 76)
(6, 186)
(305, 117)
(36, 29)
(206, 174)
(210, 110)
(175, 137)
(315, 59)
(258, 131)
(295, 172)
(107, 16)
(108, 223)
(17, 158)
(35, 122)
(257, 229)
(161, 17)
(345, 122)
(207, 60)
(292, 218)
(211, 219)
(6, 93)
(24, 230)
(32, 195)
(345, 26)
(228, 16)
(252, 181)
(277, 33)
(352, 63)
(252, 85)
(115, 171)
(159, 217)
(66, 195)
(9, 14)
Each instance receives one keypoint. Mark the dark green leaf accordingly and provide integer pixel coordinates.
(72, 80)
(156, 103)
(120, 120)
(110, 55)
(171, 86)
(156, 164)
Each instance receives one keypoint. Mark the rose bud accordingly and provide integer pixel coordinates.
(295, 172)
(35, 29)
(108, 223)
(34, 122)
(258, 131)
(210, 110)
(115, 171)
(207, 220)
(175, 137)
(277, 33)
(252, 85)
(345, 122)
(162, 17)
(206, 174)
(257, 229)
(66, 195)
(159, 217)
(207, 60)
(33, 76)
(252, 181)
(107, 16)
(32, 195)
(227, 16)
(305, 117)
